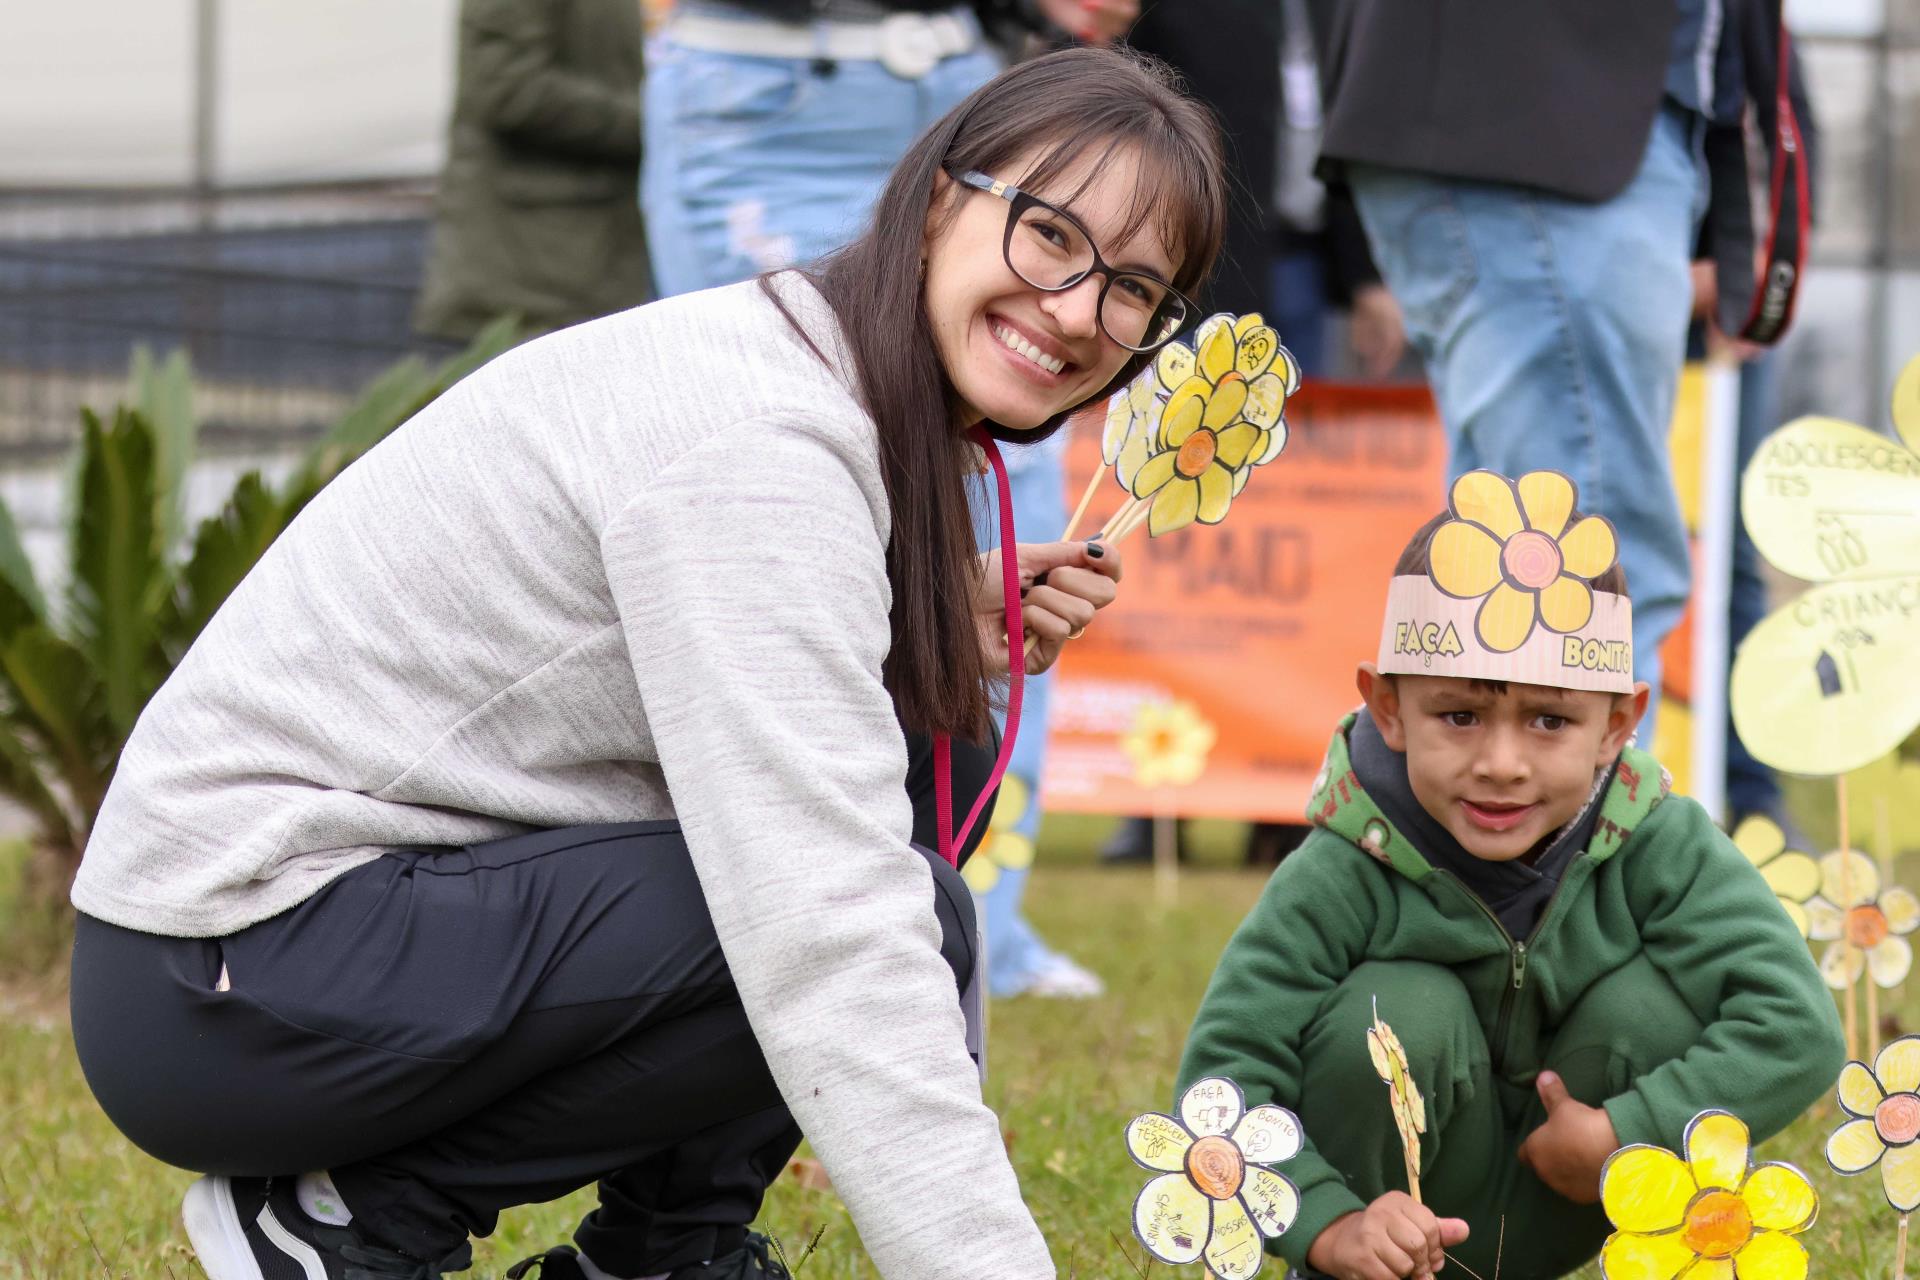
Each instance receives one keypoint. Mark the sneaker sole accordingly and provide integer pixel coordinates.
(214, 1230)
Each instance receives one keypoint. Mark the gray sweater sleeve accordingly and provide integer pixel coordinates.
(751, 583)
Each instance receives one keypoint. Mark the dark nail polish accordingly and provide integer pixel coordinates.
(1095, 550)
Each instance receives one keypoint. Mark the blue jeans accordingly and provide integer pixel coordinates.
(1015, 952)
(1553, 333)
(758, 163)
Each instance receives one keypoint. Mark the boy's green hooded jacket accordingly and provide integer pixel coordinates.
(1657, 878)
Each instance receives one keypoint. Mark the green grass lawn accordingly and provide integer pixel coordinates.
(76, 1200)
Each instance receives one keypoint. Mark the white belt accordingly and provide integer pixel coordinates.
(907, 44)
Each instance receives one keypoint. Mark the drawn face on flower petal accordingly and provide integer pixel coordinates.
(1510, 542)
(1214, 1199)
(1713, 1211)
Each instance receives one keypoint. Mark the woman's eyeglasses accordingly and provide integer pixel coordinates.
(1050, 250)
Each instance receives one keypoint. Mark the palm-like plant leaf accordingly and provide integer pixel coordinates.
(224, 550)
(163, 394)
(119, 578)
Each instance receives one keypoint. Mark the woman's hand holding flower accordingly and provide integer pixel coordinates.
(1062, 585)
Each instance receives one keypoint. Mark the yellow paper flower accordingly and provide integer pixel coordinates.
(1213, 1200)
(1712, 1216)
(1127, 440)
(1224, 415)
(1409, 1108)
(1168, 743)
(1510, 542)
(1885, 1111)
(1793, 876)
(1866, 924)
(1002, 848)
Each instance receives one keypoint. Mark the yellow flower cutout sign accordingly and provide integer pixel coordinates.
(1213, 1200)
(1223, 417)
(1825, 684)
(1168, 743)
(1510, 541)
(1867, 924)
(1711, 1216)
(1793, 876)
(1884, 1123)
(1003, 848)
(1409, 1108)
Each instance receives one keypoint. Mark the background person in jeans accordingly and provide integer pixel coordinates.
(1531, 179)
(772, 124)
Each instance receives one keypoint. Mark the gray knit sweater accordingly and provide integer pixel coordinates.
(633, 570)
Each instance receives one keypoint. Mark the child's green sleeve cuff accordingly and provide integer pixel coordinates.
(1319, 1206)
(1632, 1120)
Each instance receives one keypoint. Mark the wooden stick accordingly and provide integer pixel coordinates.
(1133, 521)
(1900, 1252)
(1086, 500)
(1846, 891)
(1873, 1019)
(1120, 516)
(1413, 1176)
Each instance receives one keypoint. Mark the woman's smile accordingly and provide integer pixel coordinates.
(1033, 353)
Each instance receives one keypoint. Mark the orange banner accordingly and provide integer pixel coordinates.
(1259, 621)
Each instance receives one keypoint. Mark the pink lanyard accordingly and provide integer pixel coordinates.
(951, 842)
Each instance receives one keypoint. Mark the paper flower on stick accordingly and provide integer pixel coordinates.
(1213, 1200)
(1409, 1108)
(1866, 923)
(1885, 1121)
(1793, 876)
(1168, 743)
(1510, 542)
(1825, 684)
(1002, 848)
(1223, 416)
(1712, 1216)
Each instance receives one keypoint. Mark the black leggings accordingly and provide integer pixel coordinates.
(453, 1032)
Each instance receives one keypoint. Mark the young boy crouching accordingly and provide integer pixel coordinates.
(1573, 958)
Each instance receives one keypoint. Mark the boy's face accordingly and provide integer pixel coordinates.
(1501, 771)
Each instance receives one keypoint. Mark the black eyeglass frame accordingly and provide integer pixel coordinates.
(1019, 202)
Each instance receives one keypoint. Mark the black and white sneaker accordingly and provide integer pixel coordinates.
(755, 1260)
(254, 1229)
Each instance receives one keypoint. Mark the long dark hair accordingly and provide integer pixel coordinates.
(1074, 103)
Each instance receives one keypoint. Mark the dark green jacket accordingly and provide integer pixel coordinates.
(538, 210)
(1658, 878)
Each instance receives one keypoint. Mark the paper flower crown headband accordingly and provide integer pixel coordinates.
(1508, 594)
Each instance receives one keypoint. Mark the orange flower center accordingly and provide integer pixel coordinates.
(1196, 455)
(1531, 559)
(1718, 1223)
(1216, 1167)
(1866, 926)
(1897, 1119)
(1162, 742)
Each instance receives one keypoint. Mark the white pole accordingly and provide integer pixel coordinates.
(1711, 660)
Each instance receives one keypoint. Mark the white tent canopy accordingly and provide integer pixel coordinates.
(103, 93)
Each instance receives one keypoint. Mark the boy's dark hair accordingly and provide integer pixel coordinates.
(1415, 559)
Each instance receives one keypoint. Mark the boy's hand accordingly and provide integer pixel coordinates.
(1567, 1151)
(1392, 1238)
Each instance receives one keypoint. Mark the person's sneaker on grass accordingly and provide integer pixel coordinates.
(255, 1229)
(1060, 978)
(755, 1260)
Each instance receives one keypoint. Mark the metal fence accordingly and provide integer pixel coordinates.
(287, 301)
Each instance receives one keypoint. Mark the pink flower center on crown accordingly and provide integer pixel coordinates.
(1531, 559)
